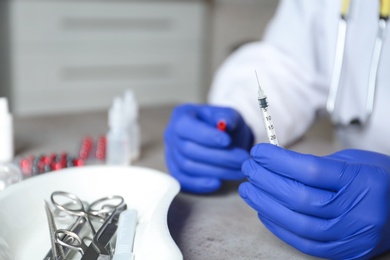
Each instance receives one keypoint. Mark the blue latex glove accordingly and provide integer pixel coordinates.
(336, 207)
(199, 155)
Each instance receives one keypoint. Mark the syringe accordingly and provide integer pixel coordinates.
(267, 119)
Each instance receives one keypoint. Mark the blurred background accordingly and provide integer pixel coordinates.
(69, 56)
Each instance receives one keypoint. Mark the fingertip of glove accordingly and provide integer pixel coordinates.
(222, 139)
(256, 149)
(210, 184)
(243, 190)
(263, 149)
(247, 167)
(202, 185)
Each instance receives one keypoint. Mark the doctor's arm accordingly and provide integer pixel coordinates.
(335, 207)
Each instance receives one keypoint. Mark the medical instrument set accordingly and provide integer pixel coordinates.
(125, 237)
(92, 229)
(384, 11)
(267, 119)
(56, 250)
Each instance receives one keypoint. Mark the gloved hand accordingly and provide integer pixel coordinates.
(336, 206)
(199, 155)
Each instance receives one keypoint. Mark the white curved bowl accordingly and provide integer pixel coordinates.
(24, 232)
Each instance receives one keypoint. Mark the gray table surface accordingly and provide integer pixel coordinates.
(216, 226)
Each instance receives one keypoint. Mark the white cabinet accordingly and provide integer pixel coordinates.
(77, 55)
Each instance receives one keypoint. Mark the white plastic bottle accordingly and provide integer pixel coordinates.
(131, 111)
(9, 173)
(117, 152)
(6, 132)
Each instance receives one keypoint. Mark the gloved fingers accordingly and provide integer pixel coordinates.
(199, 185)
(293, 194)
(319, 172)
(193, 184)
(201, 169)
(307, 246)
(226, 158)
(213, 115)
(340, 249)
(361, 156)
(195, 130)
(198, 123)
(240, 133)
(303, 225)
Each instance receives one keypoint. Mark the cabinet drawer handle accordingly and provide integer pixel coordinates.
(114, 72)
(97, 23)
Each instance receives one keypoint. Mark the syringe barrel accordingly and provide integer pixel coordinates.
(269, 126)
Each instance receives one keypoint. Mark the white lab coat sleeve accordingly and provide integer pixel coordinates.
(285, 62)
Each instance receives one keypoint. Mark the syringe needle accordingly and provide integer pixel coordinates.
(260, 90)
(267, 119)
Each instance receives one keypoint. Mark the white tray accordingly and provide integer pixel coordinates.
(24, 232)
